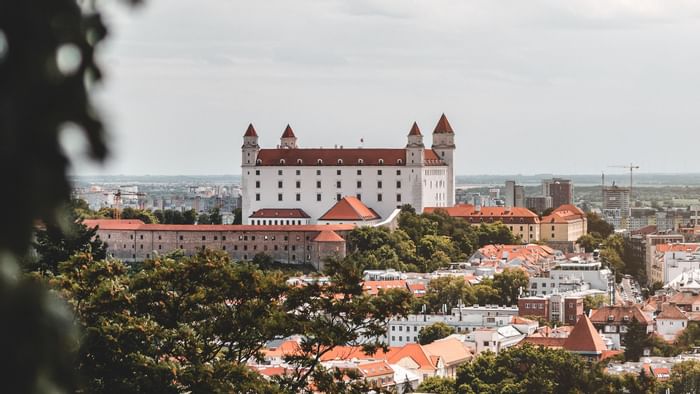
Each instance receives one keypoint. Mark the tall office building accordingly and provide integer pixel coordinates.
(616, 198)
(514, 194)
(561, 190)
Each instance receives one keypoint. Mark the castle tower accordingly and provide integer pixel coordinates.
(415, 149)
(288, 140)
(444, 145)
(250, 147)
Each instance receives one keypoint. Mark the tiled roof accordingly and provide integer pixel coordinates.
(443, 126)
(355, 352)
(584, 338)
(287, 347)
(671, 312)
(373, 286)
(283, 213)
(617, 314)
(328, 236)
(564, 214)
(250, 132)
(137, 225)
(340, 157)
(414, 129)
(288, 132)
(512, 215)
(677, 247)
(350, 208)
(451, 350)
(416, 353)
(684, 298)
(374, 369)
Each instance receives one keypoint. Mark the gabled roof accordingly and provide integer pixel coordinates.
(350, 208)
(288, 133)
(443, 126)
(355, 352)
(374, 369)
(250, 132)
(584, 338)
(414, 130)
(372, 287)
(328, 236)
(416, 353)
(340, 157)
(671, 312)
(616, 314)
(282, 213)
(564, 214)
(677, 247)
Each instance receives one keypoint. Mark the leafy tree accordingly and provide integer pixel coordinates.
(203, 218)
(433, 332)
(189, 217)
(594, 301)
(510, 283)
(56, 243)
(590, 242)
(685, 377)
(596, 224)
(237, 216)
(143, 215)
(495, 233)
(688, 338)
(215, 216)
(437, 385)
(486, 294)
(636, 339)
(449, 291)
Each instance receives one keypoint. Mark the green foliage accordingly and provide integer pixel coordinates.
(685, 377)
(56, 243)
(143, 215)
(433, 332)
(594, 301)
(590, 242)
(596, 224)
(437, 385)
(173, 216)
(688, 338)
(510, 283)
(212, 217)
(449, 291)
(237, 216)
(636, 339)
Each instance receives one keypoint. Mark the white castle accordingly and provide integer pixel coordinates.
(289, 185)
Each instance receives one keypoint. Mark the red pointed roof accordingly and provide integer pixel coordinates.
(328, 236)
(414, 130)
(250, 132)
(671, 312)
(350, 208)
(584, 338)
(288, 133)
(443, 126)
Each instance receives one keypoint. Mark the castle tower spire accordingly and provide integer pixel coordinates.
(444, 146)
(288, 139)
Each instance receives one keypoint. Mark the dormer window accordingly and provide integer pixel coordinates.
(399, 161)
(281, 161)
(299, 161)
(360, 161)
(340, 162)
(611, 318)
(626, 318)
(381, 162)
(258, 162)
(319, 162)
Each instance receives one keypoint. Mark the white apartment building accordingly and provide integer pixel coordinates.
(401, 331)
(572, 275)
(315, 179)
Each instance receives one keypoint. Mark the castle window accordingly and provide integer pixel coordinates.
(258, 162)
(381, 162)
(279, 197)
(282, 161)
(398, 197)
(318, 196)
(340, 162)
(379, 172)
(257, 196)
(298, 197)
(299, 161)
(257, 172)
(379, 197)
(338, 172)
(398, 172)
(298, 184)
(318, 184)
(443, 153)
(338, 197)
(399, 161)
(338, 184)
(257, 184)
(298, 172)
(319, 162)
(318, 172)
(279, 172)
(360, 161)
(359, 172)
(379, 184)
(398, 184)
(359, 196)
(359, 184)
(279, 184)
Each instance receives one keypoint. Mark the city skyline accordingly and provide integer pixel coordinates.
(520, 83)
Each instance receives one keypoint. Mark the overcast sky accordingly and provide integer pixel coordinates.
(537, 86)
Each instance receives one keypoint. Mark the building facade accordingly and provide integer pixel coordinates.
(314, 179)
(561, 190)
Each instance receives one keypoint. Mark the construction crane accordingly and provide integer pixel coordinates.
(630, 167)
(118, 201)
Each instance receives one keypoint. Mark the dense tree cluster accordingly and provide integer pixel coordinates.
(433, 332)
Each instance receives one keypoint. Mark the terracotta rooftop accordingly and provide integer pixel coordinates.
(355, 352)
(137, 225)
(584, 338)
(512, 215)
(564, 214)
(414, 352)
(617, 315)
(677, 247)
(452, 350)
(283, 213)
(350, 208)
(328, 236)
(684, 298)
(414, 130)
(671, 312)
(340, 157)
(443, 126)
(373, 286)
(288, 132)
(250, 132)
(374, 369)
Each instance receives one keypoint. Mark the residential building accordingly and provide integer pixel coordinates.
(613, 322)
(583, 340)
(563, 227)
(560, 190)
(574, 274)
(521, 221)
(538, 203)
(670, 322)
(314, 179)
(664, 260)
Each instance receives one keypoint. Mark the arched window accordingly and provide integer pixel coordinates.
(258, 162)
(399, 161)
(299, 161)
(381, 162)
(340, 162)
(282, 161)
(319, 162)
(360, 161)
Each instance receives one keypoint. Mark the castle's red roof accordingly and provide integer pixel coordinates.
(414, 129)
(350, 208)
(443, 126)
(328, 236)
(513, 215)
(288, 133)
(137, 225)
(282, 213)
(340, 157)
(250, 132)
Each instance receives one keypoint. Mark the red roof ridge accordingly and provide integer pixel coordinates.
(250, 132)
(288, 132)
(350, 208)
(443, 126)
(671, 312)
(328, 236)
(414, 130)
